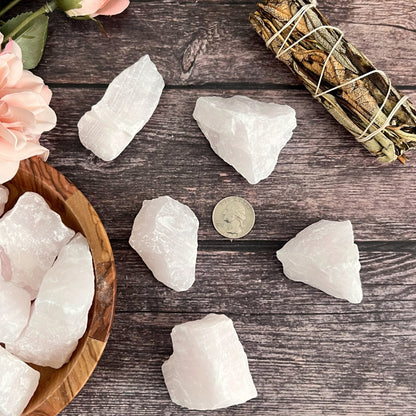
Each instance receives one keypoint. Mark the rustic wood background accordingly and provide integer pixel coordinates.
(309, 354)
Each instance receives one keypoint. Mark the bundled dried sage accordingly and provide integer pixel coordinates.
(347, 84)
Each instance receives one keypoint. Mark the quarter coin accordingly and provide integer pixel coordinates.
(233, 217)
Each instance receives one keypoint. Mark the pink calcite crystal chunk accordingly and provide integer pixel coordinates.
(324, 256)
(208, 368)
(18, 382)
(60, 312)
(165, 235)
(5, 266)
(32, 235)
(14, 311)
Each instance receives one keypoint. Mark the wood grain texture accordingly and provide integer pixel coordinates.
(302, 364)
(309, 354)
(58, 387)
(250, 280)
(322, 172)
(212, 41)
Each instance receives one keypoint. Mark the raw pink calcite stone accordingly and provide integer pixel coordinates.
(18, 382)
(32, 235)
(165, 235)
(324, 256)
(4, 196)
(208, 368)
(60, 312)
(5, 266)
(247, 134)
(127, 105)
(14, 311)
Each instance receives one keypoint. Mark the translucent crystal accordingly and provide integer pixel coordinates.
(4, 196)
(127, 105)
(18, 382)
(324, 256)
(14, 311)
(208, 368)
(5, 266)
(32, 235)
(60, 312)
(165, 234)
(248, 134)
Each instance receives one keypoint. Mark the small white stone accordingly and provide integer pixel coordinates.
(165, 235)
(18, 383)
(32, 235)
(127, 105)
(246, 133)
(14, 311)
(60, 312)
(324, 256)
(208, 368)
(4, 196)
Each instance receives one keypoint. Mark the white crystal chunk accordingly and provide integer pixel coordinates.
(165, 234)
(60, 312)
(208, 368)
(32, 235)
(324, 256)
(4, 196)
(14, 311)
(18, 382)
(127, 105)
(246, 133)
(5, 266)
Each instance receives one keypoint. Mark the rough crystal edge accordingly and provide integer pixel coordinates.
(353, 300)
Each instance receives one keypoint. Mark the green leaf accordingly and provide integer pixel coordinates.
(31, 38)
(68, 4)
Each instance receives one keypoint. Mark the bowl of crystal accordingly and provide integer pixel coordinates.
(58, 297)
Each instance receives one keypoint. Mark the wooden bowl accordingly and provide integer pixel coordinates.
(58, 387)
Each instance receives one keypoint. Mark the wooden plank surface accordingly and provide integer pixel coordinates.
(308, 364)
(213, 42)
(310, 354)
(319, 168)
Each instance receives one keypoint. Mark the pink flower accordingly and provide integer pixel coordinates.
(94, 8)
(24, 112)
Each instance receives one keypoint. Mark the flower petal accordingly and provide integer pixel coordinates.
(24, 111)
(15, 68)
(31, 82)
(8, 153)
(12, 48)
(8, 169)
(7, 136)
(113, 7)
(45, 117)
(88, 8)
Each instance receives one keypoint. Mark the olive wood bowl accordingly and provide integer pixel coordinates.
(58, 387)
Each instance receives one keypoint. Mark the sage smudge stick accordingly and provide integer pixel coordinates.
(339, 76)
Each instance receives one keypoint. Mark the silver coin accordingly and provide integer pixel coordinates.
(233, 217)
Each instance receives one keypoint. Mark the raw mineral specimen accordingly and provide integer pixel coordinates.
(208, 368)
(18, 382)
(324, 256)
(14, 311)
(60, 312)
(127, 105)
(5, 266)
(165, 234)
(32, 235)
(4, 196)
(246, 133)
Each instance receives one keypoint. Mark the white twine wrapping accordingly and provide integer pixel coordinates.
(296, 18)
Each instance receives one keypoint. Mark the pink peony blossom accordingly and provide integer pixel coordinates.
(94, 8)
(24, 112)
